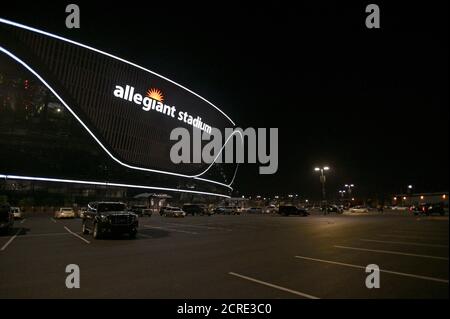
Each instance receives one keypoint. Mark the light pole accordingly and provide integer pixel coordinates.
(349, 188)
(323, 179)
(410, 187)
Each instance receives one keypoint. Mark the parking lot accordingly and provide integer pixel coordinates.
(246, 256)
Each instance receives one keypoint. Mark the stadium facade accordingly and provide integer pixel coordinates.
(63, 119)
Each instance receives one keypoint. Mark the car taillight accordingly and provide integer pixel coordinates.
(423, 209)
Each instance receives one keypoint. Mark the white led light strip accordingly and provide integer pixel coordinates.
(197, 176)
(75, 181)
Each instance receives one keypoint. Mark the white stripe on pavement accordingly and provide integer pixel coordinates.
(76, 235)
(413, 237)
(382, 270)
(404, 243)
(171, 229)
(391, 252)
(197, 226)
(268, 284)
(53, 220)
(23, 220)
(10, 240)
(43, 235)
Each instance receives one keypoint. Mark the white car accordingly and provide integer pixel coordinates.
(359, 209)
(65, 212)
(270, 209)
(169, 211)
(399, 208)
(17, 213)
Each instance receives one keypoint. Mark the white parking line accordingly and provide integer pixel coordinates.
(198, 226)
(391, 252)
(412, 237)
(23, 220)
(53, 220)
(43, 235)
(422, 232)
(76, 235)
(382, 270)
(404, 243)
(171, 229)
(268, 284)
(10, 240)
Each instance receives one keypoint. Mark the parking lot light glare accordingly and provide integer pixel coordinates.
(326, 168)
(317, 169)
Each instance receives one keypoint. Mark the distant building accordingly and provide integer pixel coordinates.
(418, 198)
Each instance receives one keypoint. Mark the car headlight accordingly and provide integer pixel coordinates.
(104, 218)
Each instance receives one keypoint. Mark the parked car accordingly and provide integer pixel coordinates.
(333, 209)
(359, 209)
(270, 209)
(226, 210)
(138, 209)
(254, 210)
(287, 210)
(147, 212)
(399, 208)
(6, 218)
(170, 211)
(17, 213)
(81, 212)
(65, 212)
(109, 218)
(427, 209)
(195, 209)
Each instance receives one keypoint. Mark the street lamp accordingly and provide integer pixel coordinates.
(349, 187)
(322, 178)
(342, 193)
(410, 187)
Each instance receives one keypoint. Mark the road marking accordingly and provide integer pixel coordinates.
(43, 235)
(404, 243)
(391, 252)
(10, 240)
(268, 284)
(171, 229)
(23, 220)
(382, 270)
(422, 231)
(53, 220)
(413, 237)
(76, 235)
(144, 235)
(198, 226)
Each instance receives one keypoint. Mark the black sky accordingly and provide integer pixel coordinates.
(372, 104)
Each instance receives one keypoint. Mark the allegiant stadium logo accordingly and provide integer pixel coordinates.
(154, 101)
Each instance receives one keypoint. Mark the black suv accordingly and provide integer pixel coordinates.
(195, 209)
(109, 217)
(428, 209)
(292, 210)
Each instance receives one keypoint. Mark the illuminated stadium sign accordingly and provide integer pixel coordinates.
(154, 101)
(126, 110)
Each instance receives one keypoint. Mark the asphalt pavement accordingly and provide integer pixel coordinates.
(247, 256)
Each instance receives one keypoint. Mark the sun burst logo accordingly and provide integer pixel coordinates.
(155, 94)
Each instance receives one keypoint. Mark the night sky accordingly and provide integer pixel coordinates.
(371, 104)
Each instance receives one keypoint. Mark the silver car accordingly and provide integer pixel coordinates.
(65, 212)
